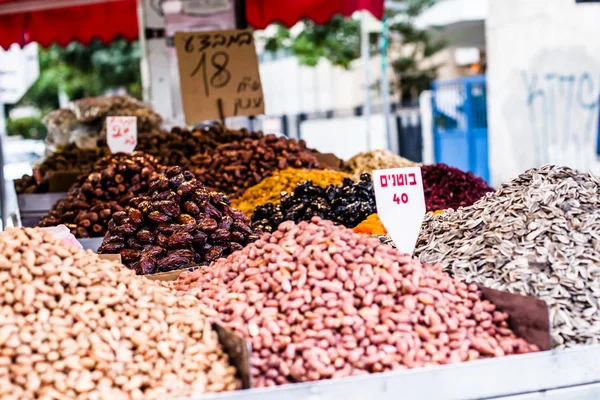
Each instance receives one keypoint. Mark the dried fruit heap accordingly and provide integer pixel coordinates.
(75, 326)
(90, 203)
(269, 190)
(234, 167)
(449, 187)
(347, 204)
(178, 224)
(365, 163)
(179, 146)
(319, 301)
(69, 159)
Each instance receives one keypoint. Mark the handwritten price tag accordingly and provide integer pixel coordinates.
(400, 204)
(218, 67)
(121, 134)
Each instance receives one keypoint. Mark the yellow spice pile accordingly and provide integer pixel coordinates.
(269, 189)
(364, 163)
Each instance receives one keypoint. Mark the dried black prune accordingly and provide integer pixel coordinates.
(348, 204)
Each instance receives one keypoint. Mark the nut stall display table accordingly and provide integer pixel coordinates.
(557, 374)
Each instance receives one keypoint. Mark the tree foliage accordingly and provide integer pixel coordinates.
(338, 41)
(82, 71)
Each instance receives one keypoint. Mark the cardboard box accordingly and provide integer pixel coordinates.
(61, 181)
(529, 317)
(33, 207)
(169, 275)
(330, 160)
(239, 352)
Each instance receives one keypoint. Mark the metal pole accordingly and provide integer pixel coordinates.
(364, 49)
(3, 207)
(385, 83)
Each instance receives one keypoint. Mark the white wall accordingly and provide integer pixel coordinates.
(290, 88)
(346, 137)
(543, 85)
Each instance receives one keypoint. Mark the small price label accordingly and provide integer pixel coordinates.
(121, 134)
(400, 204)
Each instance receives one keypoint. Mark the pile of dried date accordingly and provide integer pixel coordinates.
(90, 203)
(235, 166)
(318, 301)
(178, 224)
(69, 159)
(75, 326)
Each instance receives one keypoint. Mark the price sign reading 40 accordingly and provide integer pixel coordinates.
(400, 204)
(218, 72)
(121, 134)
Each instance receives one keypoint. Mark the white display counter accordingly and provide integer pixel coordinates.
(557, 374)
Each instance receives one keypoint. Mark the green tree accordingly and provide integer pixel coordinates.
(82, 71)
(414, 67)
(337, 41)
(410, 49)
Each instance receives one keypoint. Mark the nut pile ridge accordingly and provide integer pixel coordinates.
(318, 301)
(75, 326)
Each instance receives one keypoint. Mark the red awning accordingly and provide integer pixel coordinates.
(261, 13)
(83, 23)
(109, 19)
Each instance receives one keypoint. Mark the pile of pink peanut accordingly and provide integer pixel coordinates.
(318, 301)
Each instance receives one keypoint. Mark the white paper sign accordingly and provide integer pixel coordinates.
(400, 204)
(121, 134)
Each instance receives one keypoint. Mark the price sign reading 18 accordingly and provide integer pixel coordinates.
(121, 134)
(218, 67)
(400, 204)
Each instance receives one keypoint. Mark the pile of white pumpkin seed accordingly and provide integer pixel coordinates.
(538, 235)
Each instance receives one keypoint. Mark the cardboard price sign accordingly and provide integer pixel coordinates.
(121, 134)
(400, 204)
(218, 72)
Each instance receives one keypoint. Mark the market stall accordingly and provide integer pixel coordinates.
(273, 281)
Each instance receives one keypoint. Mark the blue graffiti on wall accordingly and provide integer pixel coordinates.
(571, 96)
